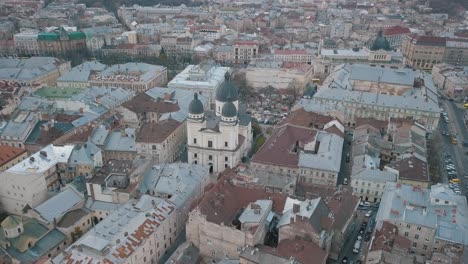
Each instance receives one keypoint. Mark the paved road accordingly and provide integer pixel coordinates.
(345, 170)
(458, 152)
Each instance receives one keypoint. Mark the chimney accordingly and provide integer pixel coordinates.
(296, 208)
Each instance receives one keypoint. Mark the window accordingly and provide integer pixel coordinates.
(415, 244)
(226, 144)
(195, 162)
(225, 158)
(419, 228)
(424, 247)
(210, 143)
(210, 157)
(194, 141)
(408, 226)
(195, 155)
(416, 236)
(437, 200)
(406, 234)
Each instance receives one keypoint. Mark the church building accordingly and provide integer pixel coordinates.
(219, 138)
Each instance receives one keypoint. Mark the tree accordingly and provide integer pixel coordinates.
(434, 157)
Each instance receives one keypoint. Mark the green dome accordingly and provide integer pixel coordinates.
(196, 106)
(227, 92)
(229, 110)
(381, 43)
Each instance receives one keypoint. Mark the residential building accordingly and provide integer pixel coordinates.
(203, 79)
(340, 29)
(224, 54)
(147, 224)
(10, 156)
(28, 182)
(381, 93)
(369, 184)
(84, 160)
(229, 218)
(451, 80)
(159, 115)
(78, 77)
(220, 138)
(26, 240)
(456, 52)
(33, 71)
(262, 73)
(17, 130)
(26, 43)
(62, 41)
(293, 55)
(209, 32)
(120, 145)
(395, 35)
(244, 51)
(312, 155)
(181, 183)
(412, 171)
(425, 216)
(138, 77)
(387, 245)
(423, 52)
(286, 252)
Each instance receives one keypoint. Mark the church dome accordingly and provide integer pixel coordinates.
(381, 43)
(196, 106)
(227, 91)
(229, 110)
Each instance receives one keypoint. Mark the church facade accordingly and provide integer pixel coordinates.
(219, 138)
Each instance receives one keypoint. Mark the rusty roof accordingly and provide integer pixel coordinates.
(8, 153)
(143, 103)
(222, 203)
(157, 132)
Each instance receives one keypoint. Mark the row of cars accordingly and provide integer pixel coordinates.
(454, 181)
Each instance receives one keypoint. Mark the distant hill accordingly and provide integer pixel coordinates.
(451, 7)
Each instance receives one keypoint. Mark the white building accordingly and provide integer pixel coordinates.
(26, 43)
(140, 231)
(204, 79)
(381, 93)
(432, 219)
(369, 184)
(340, 29)
(27, 183)
(220, 138)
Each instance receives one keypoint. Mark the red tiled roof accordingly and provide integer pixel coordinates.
(157, 132)
(412, 169)
(225, 200)
(245, 43)
(143, 103)
(428, 40)
(278, 149)
(290, 52)
(8, 153)
(396, 30)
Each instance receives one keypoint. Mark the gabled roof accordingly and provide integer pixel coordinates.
(57, 206)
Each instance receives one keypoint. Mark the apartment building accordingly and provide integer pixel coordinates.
(26, 43)
(425, 216)
(140, 231)
(395, 35)
(120, 145)
(64, 40)
(310, 154)
(369, 185)
(138, 77)
(295, 56)
(10, 156)
(17, 130)
(456, 52)
(28, 182)
(244, 51)
(451, 80)
(423, 52)
(367, 91)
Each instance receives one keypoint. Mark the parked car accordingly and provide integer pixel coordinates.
(345, 260)
(367, 236)
(361, 231)
(369, 213)
(364, 225)
(366, 204)
(345, 181)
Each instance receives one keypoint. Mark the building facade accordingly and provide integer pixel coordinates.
(220, 138)
(423, 52)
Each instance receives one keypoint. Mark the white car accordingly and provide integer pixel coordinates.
(369, 213)
(366, 204)
(345, 181)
